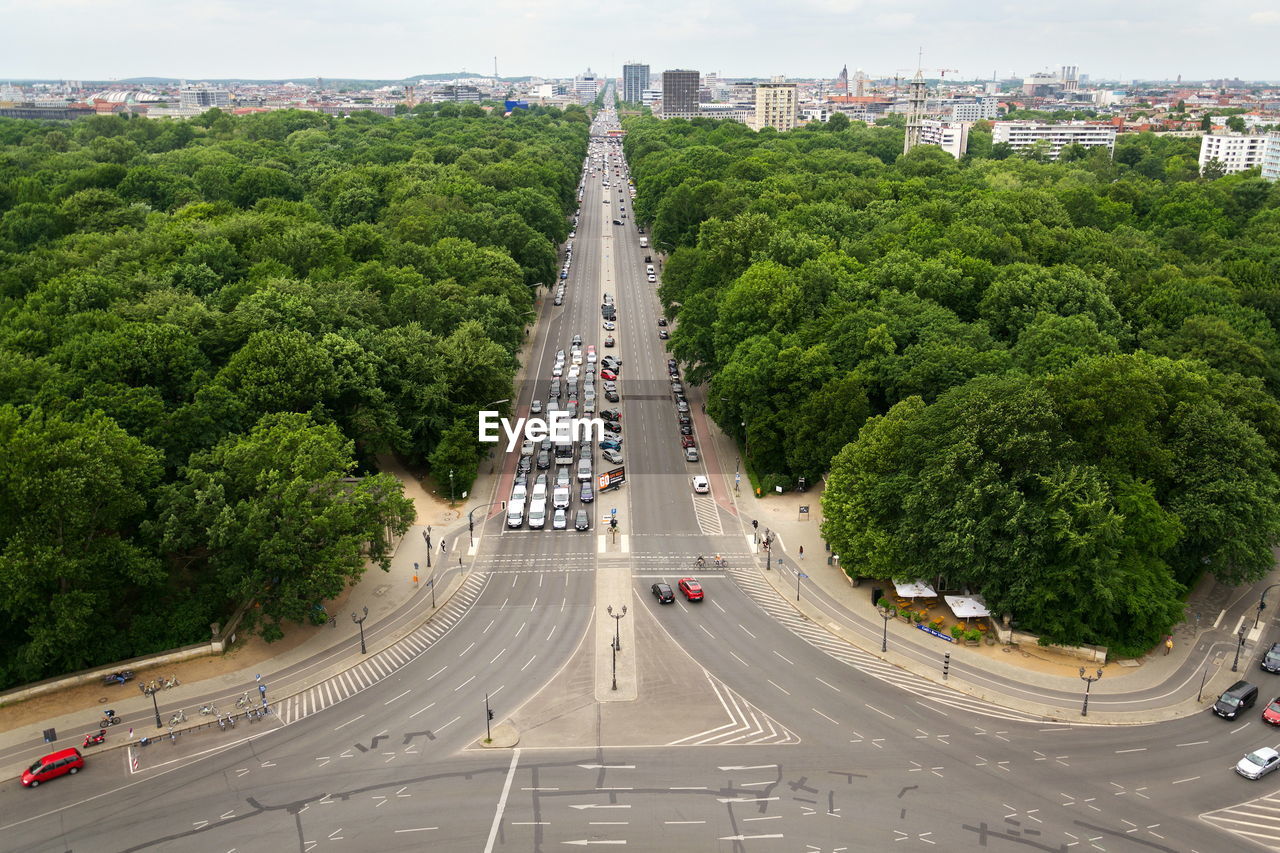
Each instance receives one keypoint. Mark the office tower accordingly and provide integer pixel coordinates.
(776, 105)
(635, 79)
(679, 93)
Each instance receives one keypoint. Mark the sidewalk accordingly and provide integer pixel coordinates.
(846, 611)
(306, 654)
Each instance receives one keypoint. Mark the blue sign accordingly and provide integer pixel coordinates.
(613, 511)
(737, 477)
(938, 634)
(803, 575)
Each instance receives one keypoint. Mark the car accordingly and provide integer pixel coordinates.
(559, 521)
(1271, 713)
(611, 362)
(559, 300)
(606, 373)
(564, 274)
(544, 460)
(617, 222)
(587, 493)
(691, 588)
(609, 341)
(612, 456)
(664, 335)
(609, 325)
(545, 444)
(701, 485)
(611, 444)
(683, 418)
(1258, 763)
(612, 426)
(562, 478)
(573, 234)
(525, 463)
(663, 593)
(576, 342)
(554, 391)
(662, 321)
(522, 478)
(1271, 660)
(612, 396)
(648, 268)
(526, 447)
(52, 766)
(677, 388)
(584, 470)
(1235, 699)
(653, 279)
(682, 406)
(687, 441)
(582, 520)
(611, 415)
(691, 454)
(610, 385)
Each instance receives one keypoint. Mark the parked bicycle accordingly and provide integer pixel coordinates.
(243, 701)
(170, 682)
(208, 710)
(180, 717)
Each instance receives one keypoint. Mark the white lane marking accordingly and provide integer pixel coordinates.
(747, 767)
(420, 710)
(1135, 749)
(1218, 621)
(418, 829)
(705, 631)
(502, 801)
(526, 666)
(437, 672)
(689, 788)
(746, 799)
(394, 698)
(878, 711)
(349, 722)
(487, 627)
(498, 655)
(552, 631)
(744, 628)
(764, 817)
(1193, 743)
(682, 822)
(581, 806)
(450, 723)
(1240, 728)
(739, 660)
(465, 683)
(824, 716)
(784, 690)
(467, 649)
(521, 628)
(832, 686)
(779, 654)
(718, 607)
(1188, 779)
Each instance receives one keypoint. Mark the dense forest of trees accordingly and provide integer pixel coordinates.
(1053, 383)
(209, 328)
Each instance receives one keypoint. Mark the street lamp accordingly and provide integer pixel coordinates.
(450, 487)
(886, 614)
(151, 691)
(426, 535)
(1088, 682)
(617, 625)
(359, 620)
(1235, 664)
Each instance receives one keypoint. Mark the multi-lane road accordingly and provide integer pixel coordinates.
(752, 729)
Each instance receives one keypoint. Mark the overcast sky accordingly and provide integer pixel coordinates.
(393, 39)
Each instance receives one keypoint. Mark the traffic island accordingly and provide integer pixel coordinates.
(503, 736)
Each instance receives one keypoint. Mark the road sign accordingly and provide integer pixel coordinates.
(613, 510)
(803, 575)
(804, 509)
(737, 478)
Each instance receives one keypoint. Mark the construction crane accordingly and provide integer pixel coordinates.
(943, 72)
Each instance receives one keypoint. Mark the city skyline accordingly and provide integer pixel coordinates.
(394, 39)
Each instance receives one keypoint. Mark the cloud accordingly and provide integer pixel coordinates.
(1268, 18)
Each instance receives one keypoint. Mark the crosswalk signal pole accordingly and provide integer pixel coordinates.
(946, 665)
(488, 715)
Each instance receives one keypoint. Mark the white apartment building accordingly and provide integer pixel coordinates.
(1235, 151)
(202, 98)
(777, 105)
(986, 107)
(732, 112)
(1271, 158)
(951, 136)
(1024, 134)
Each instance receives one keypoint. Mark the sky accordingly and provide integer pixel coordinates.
(394, 39)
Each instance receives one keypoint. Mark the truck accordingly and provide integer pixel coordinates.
(564, 452)
(515, 513)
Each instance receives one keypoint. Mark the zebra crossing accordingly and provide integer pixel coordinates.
(708, 515)
(763, 594)
(1258, 820)
(346, 684)
(747, 723)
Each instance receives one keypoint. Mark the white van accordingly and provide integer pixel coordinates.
(539, 492)
(560, 497)
(515, 513)
(584, 470)
(537, 514)
(519, 493)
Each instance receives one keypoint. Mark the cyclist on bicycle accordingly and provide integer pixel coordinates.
(700, 562)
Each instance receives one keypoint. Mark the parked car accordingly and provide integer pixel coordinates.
(664, 335)
(609, 341)
(611, 444)
(687, 441)
(691, 588)
(52, 766)
(612, 396)
(662, 321)
(663, 593)
(535, 408)
(612, 456)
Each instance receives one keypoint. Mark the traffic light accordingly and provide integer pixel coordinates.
(471, 525)
(755, 525)
(613, 523)
(490, 710)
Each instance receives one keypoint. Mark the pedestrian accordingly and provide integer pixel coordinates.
(802, 552)
(442, 547)
(1168, 644)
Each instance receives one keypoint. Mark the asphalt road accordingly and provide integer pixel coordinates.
(822, 748)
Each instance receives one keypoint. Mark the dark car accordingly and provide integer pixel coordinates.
(1271, 660)
(662, 321)
(609, 341)
(617, 222)
(664, 335)
(686, 429)
(581, 520)
(586, 494)
(524, 464)
(686, 441)
(1235, 699)
(52, 766)
(612, 396)
(611, 415)
(663, 593)
(683, 417)
(544, 460)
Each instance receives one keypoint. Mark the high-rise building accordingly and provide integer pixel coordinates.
(984, 107)
(199, 97)
(951, 136)
(1234, 152)
(1024, 134)
(1271, 158)
(635, 79)
(679, 93)
(586, 87)
(776, 105)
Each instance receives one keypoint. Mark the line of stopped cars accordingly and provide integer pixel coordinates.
(578, 376)
(1242, 696)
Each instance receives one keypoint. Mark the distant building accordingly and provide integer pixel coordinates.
(456, 94)
(841, 86)
(679, 93)
(776, 105)
(985, 107)
(1024, 134)
(348, 109)
(1271, 158)
(201, 98)
(635, 79)
(732, 112)
(1235, 151)
(586, 87)
(951, 136)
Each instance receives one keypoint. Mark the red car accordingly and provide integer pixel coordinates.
(1271, 713)
(691, 588)
(606, 373)
(686, 441)
(52, 766)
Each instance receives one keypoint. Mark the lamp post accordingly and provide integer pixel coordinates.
(617, 625)
(426, 536)
(1088, 682)
(450, 487)
(886, 614)
(151, 691)
(359, 620)
(1235, 664)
